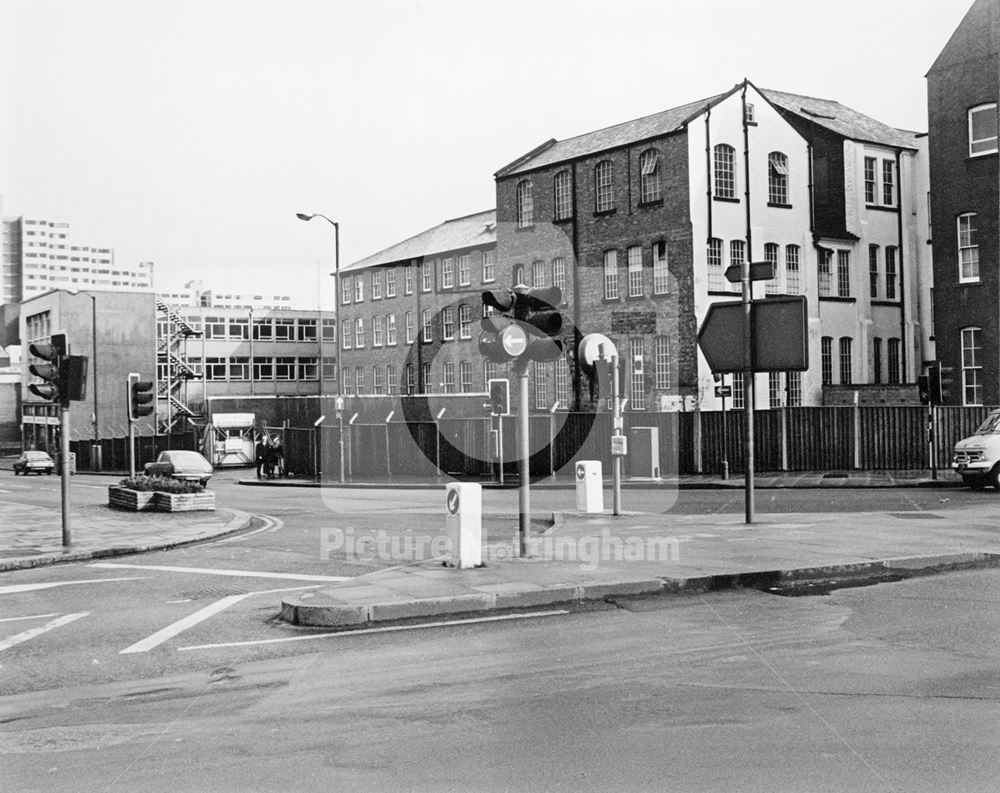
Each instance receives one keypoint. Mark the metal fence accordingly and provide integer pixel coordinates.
(114, 451)
(787, 439)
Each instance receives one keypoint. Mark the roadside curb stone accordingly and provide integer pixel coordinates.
(320, 609)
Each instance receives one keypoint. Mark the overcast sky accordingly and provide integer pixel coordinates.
(190, 132)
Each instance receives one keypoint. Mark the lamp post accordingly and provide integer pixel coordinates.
(336, 313)
(95, 449)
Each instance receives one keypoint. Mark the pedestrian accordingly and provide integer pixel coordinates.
(279, 457)
(260, 452)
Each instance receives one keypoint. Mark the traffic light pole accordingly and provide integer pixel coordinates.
(65, 471)
(524, 463)
(131, 449)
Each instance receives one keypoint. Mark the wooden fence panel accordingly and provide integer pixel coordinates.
(893, 437)
(820, 438)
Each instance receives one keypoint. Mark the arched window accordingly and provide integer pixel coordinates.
(604, 187)
(519, 275)
(649, 176)
(725, 171)
(525, 204)
(777, 178)
(563, 195)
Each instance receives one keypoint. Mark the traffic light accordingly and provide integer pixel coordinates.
(499, 397)
(924, 389)
(940, 379)
(140, 397)
(50, 370)
(934, 384)
(946, 379)
(536, 308)
(527, 324)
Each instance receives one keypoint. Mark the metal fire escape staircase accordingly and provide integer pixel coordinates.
(171, 359)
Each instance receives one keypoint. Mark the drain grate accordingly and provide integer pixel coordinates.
(918, 515)
(214, 593)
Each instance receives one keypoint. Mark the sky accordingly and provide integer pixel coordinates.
(190, 132)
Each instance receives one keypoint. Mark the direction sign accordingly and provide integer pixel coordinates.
(454, 501)
(723, 390)
(778, 329)
(759, 271)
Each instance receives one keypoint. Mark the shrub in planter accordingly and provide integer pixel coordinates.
(140, 492)
(160, 484)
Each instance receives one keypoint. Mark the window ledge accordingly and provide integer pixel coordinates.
(881, 208)
(567, 219)
(604, 212)
(776, 205)
(525, 227)
(647, 204)
(969, 282)
(838, 299)
(984, 154)
(889, 303)
(725, 200)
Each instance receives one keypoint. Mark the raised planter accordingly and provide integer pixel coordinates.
(184, 502)
(126, 498)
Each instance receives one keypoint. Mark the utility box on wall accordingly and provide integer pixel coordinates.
(644, 452)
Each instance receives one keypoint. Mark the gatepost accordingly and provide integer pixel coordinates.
(589, 486)
(464, 523)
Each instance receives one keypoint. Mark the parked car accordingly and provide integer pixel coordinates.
(34, 463)
(977, 458)
(189, 466)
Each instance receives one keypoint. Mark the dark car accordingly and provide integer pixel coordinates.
(34, 463)
(189, 466)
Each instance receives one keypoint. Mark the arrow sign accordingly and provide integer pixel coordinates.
(778, 328)
(759, 271)
(453, 502)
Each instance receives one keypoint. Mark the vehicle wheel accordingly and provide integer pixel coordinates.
(994, 477)
(976, 484)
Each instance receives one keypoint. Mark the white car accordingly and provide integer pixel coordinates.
(977, 458)
(189, 466)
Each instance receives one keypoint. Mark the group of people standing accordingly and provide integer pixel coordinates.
(269, 456)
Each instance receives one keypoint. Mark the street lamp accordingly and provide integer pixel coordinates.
(336, 284)
(93, 341)
(336, 315)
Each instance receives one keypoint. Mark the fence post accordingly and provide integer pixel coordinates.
(696, 438)
(784, 438)
(857, 432)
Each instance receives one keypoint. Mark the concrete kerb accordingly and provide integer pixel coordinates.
(297, 610)
(238, 523)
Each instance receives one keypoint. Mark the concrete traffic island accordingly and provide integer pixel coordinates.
(430, 592)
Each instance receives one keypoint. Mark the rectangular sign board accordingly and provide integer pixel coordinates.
(779, 331)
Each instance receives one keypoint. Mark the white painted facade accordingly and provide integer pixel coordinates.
(727, 220)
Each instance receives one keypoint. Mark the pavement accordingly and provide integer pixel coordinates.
(580, 557)
(31, 536)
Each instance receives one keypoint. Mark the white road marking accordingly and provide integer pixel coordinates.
(170, 631)
(13, 588)
(31, 634)
(191, 620)
(32, 617)
(270, 524)
(386, 629)
(211, 571)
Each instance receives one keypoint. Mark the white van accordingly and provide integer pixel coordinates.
(977, 458)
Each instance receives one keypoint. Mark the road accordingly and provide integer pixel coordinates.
(113, 677)
(886, 688)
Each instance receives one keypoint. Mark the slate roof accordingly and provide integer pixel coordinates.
(463, 232)
(662, 123)
(824, 112)
(840, 119)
